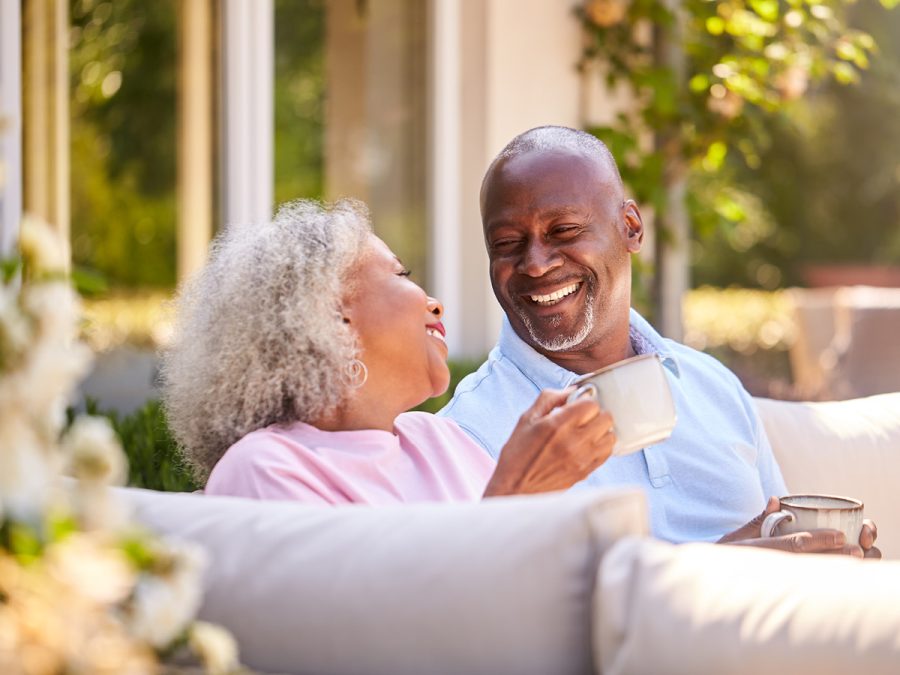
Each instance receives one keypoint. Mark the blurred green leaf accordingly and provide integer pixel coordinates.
(715, 155)
(88, 281)
(767, 9)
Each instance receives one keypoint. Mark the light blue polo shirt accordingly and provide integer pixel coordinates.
(712, 475)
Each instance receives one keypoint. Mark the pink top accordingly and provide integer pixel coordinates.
(426, 458)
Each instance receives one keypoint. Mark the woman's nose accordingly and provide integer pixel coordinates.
(435, 307)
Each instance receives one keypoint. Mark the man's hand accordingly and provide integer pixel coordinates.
(554, 445)
(816, 541)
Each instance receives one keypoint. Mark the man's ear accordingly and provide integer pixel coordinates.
(634, 226)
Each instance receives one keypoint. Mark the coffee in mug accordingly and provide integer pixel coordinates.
(802, 513)
(636, 393)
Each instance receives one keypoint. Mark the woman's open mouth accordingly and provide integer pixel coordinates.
(437, 330)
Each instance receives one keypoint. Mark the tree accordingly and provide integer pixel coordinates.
(705, 75)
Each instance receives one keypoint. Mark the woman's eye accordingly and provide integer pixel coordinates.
(404, 272)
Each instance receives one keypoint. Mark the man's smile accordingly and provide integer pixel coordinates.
(554, 297)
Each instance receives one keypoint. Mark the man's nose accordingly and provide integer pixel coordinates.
(538, 259)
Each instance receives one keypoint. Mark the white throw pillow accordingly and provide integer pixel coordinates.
(707, 608)
(849, 448)
(502, 586)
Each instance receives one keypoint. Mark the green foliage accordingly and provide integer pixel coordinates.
(122, 65)
(745, 94)
(744, 59)
(824, 186)
(299, 99)
(123, 71)
(154, 461)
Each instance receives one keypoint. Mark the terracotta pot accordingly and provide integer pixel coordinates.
(819, 276)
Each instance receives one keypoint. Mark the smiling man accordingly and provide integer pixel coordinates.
(560, 235)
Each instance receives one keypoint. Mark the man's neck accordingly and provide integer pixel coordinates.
(603, 353)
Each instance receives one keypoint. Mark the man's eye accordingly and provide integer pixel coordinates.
(566, 230)
(504, 244)
(404, 272)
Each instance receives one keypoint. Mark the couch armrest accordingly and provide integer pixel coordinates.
(706, 608)
(849, 448)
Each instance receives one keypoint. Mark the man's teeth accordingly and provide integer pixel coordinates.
(554, 297)
(435, 333)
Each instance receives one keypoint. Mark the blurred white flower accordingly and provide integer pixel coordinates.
(93, 452)
(43, 250)
(86, 602)
(26, 468)
(217, 649)
(94, 569)
(164, 603)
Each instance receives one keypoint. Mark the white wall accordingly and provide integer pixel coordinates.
(499, 67)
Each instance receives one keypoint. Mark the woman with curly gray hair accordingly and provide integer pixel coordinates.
(297, 350)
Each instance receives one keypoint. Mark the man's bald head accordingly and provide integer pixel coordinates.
(559, 235)
(557, 139)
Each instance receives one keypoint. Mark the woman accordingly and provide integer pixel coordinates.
(297, 350)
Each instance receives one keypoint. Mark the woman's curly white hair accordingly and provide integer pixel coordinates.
(259, 336)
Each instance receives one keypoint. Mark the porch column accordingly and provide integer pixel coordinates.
(10, 125)
(195, 135)
(46, 109)
(247, 77)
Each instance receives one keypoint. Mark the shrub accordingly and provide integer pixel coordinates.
(154, 461)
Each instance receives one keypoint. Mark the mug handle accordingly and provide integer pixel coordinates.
(771, 522)
(588, 389)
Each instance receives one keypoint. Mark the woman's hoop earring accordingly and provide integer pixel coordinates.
(356, 373)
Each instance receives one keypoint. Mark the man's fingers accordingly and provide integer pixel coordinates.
(772, 506)
(578, 414)
(868, 534)
(873, 553)
(817, 541)
(547, 400)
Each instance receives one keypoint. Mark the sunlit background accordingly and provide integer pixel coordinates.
(402, 103)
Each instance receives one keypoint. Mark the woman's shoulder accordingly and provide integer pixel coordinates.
(429, 427)
(424, 421)
(266, 443)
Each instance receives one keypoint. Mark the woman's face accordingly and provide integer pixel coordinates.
(399, 329)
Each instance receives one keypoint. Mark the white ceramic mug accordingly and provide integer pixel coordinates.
(636, 393)
(802, 513)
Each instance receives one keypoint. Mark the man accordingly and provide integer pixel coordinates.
(560, 234)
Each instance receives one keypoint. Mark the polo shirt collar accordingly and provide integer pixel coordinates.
(544, 373)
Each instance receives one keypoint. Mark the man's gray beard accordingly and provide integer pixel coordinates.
(562, 343)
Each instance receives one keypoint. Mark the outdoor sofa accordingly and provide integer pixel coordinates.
(557, 584)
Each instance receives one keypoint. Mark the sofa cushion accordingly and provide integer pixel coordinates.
(502, 586)
(705, 608)
(849, 448)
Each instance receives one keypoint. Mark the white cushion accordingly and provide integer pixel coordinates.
(705, 608)
(849, 448)
(503, 586)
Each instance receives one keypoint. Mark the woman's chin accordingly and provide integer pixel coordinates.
(440, 382)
